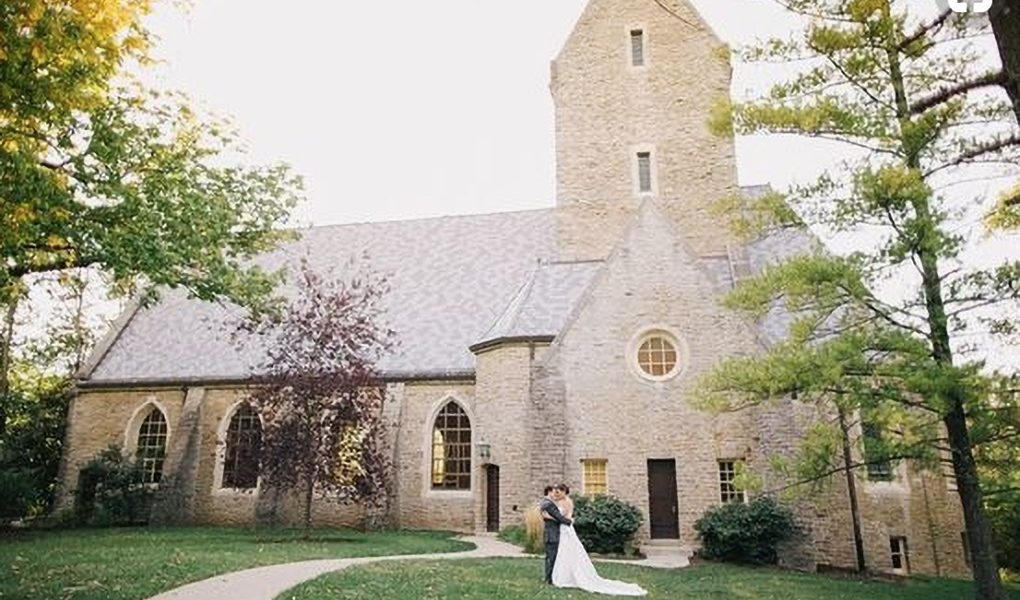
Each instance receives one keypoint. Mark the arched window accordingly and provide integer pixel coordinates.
(451, 449)
(243, 445)
(151, 447)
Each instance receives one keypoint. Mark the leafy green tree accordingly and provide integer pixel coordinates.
(998, 460)
(40, 376)
(1001, 19)
(30, 448)
(98, 171)
(910, 98)
(1006, 212)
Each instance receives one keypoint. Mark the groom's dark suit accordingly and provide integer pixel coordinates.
(552, 534)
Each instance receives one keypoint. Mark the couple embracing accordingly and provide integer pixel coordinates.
(566, 562)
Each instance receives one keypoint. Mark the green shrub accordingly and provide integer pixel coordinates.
(605, 524)
(1004, 516)
(18, 486)
(745, 533)
(110, 491)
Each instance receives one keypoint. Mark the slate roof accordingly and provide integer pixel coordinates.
(543, 304)
(450, 278)
(457, 283)
(775, 324)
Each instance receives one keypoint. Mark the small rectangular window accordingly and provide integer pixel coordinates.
(728, 491)
(637, 47)
(898, 554)
(594, 477)
(644, 161)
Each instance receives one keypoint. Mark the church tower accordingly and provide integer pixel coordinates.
(633, 89)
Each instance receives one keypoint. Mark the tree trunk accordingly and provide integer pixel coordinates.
(851, 486)
(985, 567)
(979, 531)
(308, 506)
(984, 564)
(6, 343)
(81, 344)
(1005, 19)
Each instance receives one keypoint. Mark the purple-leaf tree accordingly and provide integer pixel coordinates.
(319, 392)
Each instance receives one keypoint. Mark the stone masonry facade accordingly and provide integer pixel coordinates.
(608, 110)
(565, 386)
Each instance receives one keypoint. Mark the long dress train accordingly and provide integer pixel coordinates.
(573, 568)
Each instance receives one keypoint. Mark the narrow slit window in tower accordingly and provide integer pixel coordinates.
(637, 47)
(644, 162)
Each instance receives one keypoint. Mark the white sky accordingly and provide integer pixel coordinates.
(403, 109)
(400, 109)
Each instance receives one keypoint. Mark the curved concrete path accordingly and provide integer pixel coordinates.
(266, 583)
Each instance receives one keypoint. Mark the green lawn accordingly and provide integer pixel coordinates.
(132, 564)
(516, 579)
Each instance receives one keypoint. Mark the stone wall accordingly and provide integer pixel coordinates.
(608, 110)
(547, 423)
(175, 499)
(103, 417)
(419, 506)
(544, 412)
(916, 505)
(97, 419)
(651, 282)
(780, 426)
(503, 388)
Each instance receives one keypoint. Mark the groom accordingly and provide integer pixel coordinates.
(553, 517)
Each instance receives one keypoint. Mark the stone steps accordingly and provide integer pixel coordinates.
(670, 553)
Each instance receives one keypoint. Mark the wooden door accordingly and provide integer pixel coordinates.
(492, 498)
(662, 500)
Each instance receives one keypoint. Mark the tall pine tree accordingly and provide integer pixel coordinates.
(910, 96)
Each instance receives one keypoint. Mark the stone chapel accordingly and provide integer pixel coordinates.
(561, 344)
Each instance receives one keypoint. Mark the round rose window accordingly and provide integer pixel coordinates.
(657, 356)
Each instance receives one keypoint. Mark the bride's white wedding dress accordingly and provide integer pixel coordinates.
(573, 568)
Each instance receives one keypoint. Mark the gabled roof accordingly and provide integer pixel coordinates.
(450, 279)
(541, 307)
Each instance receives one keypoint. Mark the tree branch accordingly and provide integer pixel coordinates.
(984, 303)
(982, 149)
(945, 94)
(850, 80)
(924, 29)
(1000, 491)
(56, 264)
(842, 469)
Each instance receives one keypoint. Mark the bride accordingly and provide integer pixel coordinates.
(573, 567)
